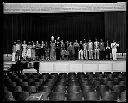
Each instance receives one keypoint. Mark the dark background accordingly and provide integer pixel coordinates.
(68, 26)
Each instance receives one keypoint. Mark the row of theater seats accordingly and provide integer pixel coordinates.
(66, 87)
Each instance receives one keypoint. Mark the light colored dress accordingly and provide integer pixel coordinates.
(52, 52)
(33, 52)
(29, 51)
(14, 53)
(63, 49)
(24, 52)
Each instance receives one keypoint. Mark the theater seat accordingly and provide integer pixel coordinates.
(60, 88)
(75, 96)
(123, 96)
(21, 96)
(57, 96)
(5, 89)
(117, 88)
(31, 89)
(108, 96)
(18, 89)
(24, 84)
(102, 89)
(92, 96)
(74, 89)
(8, 96)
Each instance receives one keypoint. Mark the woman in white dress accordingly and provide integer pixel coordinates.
(29, 51)
(24, 50)
(14, 52)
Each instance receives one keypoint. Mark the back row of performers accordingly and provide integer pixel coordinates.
(58, 50)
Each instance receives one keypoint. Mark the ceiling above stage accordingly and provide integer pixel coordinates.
(62, 7)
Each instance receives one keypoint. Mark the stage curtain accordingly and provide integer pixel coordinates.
(115, 28)
(69, 26)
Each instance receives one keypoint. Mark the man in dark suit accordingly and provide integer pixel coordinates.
(107, 50)
(102, 49)
(76, 48)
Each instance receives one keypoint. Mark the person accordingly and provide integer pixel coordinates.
(52, 49)
(107, 50)
(38, 51)
(24, 50)
(71, 51)
(66, 50)
(96, 49)
(80, 51)
(90, 49)
(58, 49)
(18, 50)
(42, 50)
(62, 50)
(102, 49)
(33, 51)
(76, 47)
(14, 51)
(114, 46)
(29, 51)
(85, 50)
(47, 51)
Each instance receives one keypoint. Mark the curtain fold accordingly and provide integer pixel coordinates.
(69, 26)
(115, 28)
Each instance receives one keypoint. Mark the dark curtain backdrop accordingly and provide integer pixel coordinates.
(69, 26)
(115, 28)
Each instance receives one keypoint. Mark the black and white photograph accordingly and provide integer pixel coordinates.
(64, 52)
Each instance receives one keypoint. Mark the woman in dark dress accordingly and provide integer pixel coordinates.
(71, 51)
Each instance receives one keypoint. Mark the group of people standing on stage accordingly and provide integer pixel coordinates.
(60, 50)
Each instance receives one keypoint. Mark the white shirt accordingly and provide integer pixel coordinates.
(17, 47)
(114, 45)
(90, 45)
(96, 44)
(85, 46)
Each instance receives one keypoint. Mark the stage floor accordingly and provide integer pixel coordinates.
(88, 61)
(62, 66)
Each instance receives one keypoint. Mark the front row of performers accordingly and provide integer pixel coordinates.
(58, 50)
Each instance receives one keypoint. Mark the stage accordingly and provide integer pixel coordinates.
(62, 66)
